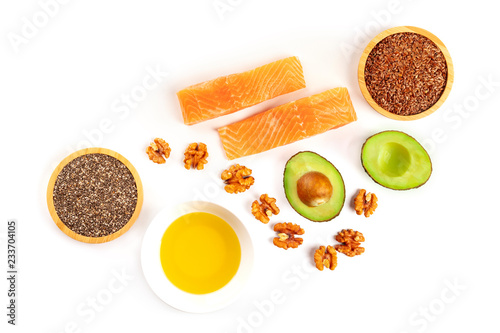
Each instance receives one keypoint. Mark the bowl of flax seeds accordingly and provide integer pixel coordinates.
(94, 195)
(405, 73)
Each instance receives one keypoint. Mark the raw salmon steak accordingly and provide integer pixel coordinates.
(231, 93)
(288, 123)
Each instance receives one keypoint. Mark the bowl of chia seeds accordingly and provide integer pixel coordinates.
(94, 195)
(405, 73)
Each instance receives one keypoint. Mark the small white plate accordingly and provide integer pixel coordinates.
(161, 285)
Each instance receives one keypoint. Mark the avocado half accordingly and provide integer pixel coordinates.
(313, 186)
(396, 160)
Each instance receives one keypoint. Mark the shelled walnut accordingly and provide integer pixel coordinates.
(366, 202)
(265, 209)
(158, 151)
(286, 235)
(325, 258)
(196, 156)
(351, 241)
(237, 179)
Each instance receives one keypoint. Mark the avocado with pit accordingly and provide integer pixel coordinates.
(396, 160)
(313, 186)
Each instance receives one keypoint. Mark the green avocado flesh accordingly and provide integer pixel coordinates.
(396, 160)
(313, 186)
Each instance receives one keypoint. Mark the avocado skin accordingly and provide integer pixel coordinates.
(343, 188)
(395, 189)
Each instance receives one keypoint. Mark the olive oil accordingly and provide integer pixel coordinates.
(200, 253)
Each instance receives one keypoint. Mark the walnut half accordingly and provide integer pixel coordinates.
(351, 241)
(196, 156)
(237, 179)
(325, 258)
(265, 209)
(366, 202)
(158, 151)
(286, 235)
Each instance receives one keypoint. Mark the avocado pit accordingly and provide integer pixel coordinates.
(314, 189)
(313, 186)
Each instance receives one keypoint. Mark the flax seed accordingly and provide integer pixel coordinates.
(406, 73)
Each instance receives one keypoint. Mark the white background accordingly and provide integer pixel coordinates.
(69, 75)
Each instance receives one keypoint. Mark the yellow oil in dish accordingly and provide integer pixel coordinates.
(200, 253)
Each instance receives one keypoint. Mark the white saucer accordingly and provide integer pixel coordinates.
(161, 285)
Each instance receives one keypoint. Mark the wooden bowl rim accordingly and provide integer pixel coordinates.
(71, 233)
(375, 41)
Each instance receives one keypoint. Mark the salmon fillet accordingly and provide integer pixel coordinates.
(231, 93)
(288, 123)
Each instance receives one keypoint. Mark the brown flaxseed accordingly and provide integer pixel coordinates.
(95, 195)
(406, 73)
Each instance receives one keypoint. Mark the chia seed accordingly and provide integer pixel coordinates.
(95, 195)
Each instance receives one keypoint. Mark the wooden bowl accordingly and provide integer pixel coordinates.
(71, 233)
(375, 41)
